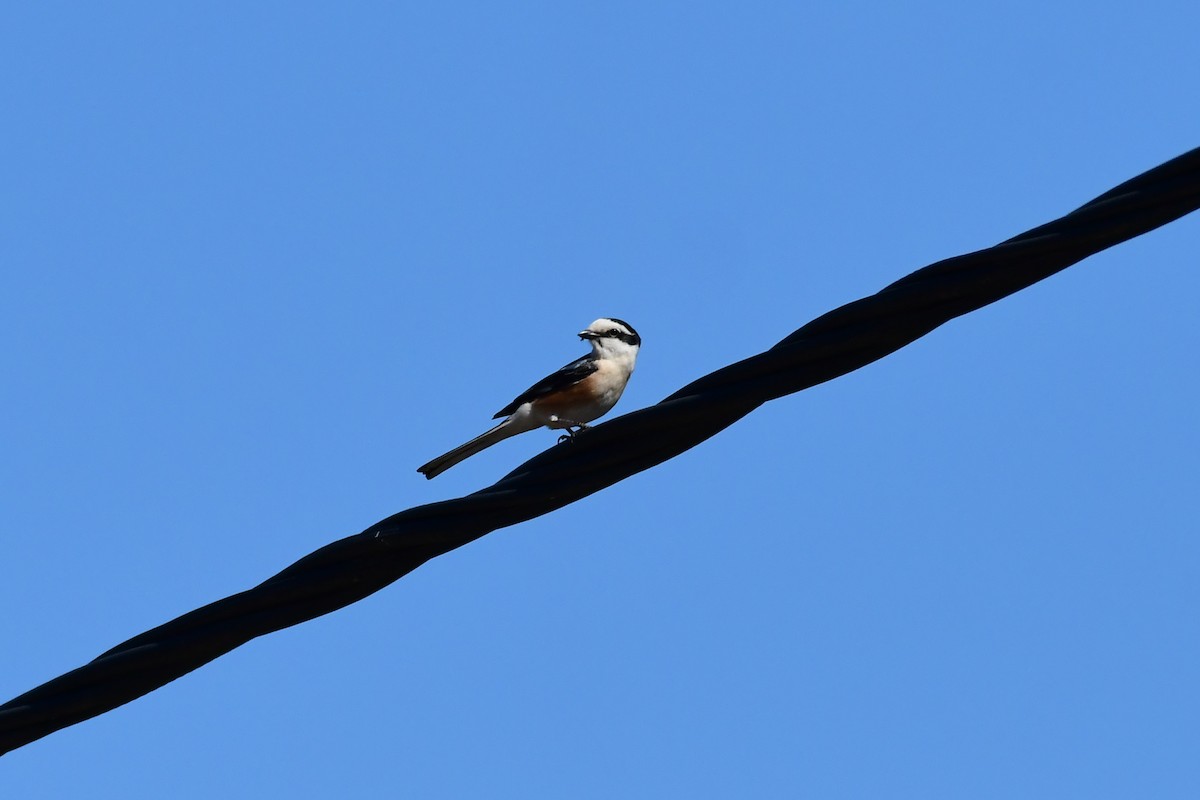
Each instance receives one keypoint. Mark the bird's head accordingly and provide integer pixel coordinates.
(611, 337)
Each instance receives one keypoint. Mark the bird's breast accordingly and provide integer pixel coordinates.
(586, 400)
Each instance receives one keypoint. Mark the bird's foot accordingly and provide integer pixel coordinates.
(570, 435)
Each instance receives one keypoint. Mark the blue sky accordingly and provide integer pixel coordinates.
(263, 260)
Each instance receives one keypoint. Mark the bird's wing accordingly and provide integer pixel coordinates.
(568, 376)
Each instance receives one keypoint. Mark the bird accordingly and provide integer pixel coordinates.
(580, 392)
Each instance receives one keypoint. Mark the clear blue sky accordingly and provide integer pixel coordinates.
(262, 260)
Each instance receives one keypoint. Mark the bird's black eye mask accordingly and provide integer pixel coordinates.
(631, 338)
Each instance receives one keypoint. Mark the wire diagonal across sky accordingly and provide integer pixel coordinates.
(836, 343)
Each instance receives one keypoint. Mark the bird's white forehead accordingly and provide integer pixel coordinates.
(604, 325)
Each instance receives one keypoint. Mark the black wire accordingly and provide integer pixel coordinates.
(831, 345)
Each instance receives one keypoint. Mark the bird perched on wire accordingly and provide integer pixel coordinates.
(569, 398)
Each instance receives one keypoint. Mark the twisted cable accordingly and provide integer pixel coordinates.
(834, 344)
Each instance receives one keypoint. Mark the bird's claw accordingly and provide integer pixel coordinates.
(571, 433)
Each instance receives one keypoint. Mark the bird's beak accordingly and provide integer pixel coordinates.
(588, 335)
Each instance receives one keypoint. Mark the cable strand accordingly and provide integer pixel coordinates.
(832, 345)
